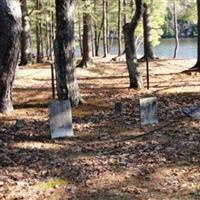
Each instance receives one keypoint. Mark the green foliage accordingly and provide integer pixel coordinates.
(161, 15)
(186, 12)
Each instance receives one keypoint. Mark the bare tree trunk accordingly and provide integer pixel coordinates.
(52, 32)
(148, 48)
(50, 41)
(96, 31)
(47, 40)
(98, 37)
(38, 36)
(80, 33)
(10, 20)
(124, 8)
(87, 41)
(198, 57)
(41, 40)
(105, 29)
(119, 27)
(25, 35)
(197, 65)
(67, 86)
(175, 31)
(41, 29)
(130, 49)
(92, 40)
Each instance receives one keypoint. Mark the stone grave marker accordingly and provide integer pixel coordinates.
(193, 112)
(118, 108)
(148, 111)
(60, 118)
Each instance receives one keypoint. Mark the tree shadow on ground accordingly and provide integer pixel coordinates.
(31, 152)
(103, 146)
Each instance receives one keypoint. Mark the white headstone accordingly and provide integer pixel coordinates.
(60, 118)
(148, 111)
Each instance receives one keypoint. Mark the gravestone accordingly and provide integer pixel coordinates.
(148, 111)
(60, 118)
(193, 112)
(118, 108)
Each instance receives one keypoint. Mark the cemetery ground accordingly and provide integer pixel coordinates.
(111, 156)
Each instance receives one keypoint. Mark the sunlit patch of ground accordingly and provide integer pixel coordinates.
(109, 157)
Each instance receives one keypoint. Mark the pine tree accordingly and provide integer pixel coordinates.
(10, 20)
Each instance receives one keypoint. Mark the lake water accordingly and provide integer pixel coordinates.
(187, 49)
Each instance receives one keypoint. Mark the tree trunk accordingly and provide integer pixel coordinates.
(87, 41)
(124, 9)
(38, 35)
(92, 41)
(10, 20)
(119, 27)
(41, 5)
(198, 57)
(96, 31)
(105, 29)
(50, 42)
(197, 65)
(80, 33)
(41, 40)
(148, 48)
(130, 49)
(25, 35)
(175, 31)
(52, 33)
(98, 37)
(67, 86)
(47, 40)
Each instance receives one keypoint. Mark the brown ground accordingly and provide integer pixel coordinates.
(104, 160)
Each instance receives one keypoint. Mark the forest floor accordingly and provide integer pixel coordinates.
(110, 157)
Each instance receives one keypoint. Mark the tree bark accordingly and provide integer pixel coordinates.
(52, 33)
(67, 86)
(87, 40)
(10, 31)
(98, 37)
(80, 33)
(38, 35)
(130, 49)
(105, 29)
(175, 31)
(119, 27)
(148, 48)
(47, 39)
(25, 35)
(41, 31)
(124, 9)
(197, 65)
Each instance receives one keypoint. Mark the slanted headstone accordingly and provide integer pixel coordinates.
(60, 118)
(193, 112)
(118, 108)
(148, 111)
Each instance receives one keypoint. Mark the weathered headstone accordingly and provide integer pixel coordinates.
(148, 111)
(60, 118)
(193, 112)
(118, 108)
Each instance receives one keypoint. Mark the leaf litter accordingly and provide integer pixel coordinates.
(110, 156)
